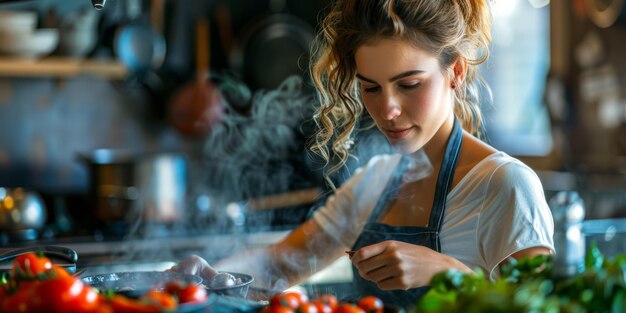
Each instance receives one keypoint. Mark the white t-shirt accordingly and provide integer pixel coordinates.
(497, 209)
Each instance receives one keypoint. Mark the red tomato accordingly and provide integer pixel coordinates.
(322, 307)
(67, 294)
(19, 301)
(301, 297)
(348, 308)
(192, 294)
(329, 300)
(186, 293)
(173, 287)
(371, 304)
(53, 295)
(29, 266)
(162, 299)
(308, 307)
(59, 272)
(104, 307)
(3, 295)
(280, 300)
(276, 309)
(122, 304)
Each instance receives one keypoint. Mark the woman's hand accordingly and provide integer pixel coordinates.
(399, 265)
(195, 265)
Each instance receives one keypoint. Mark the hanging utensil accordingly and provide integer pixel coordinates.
(199, 105)
(272, 48)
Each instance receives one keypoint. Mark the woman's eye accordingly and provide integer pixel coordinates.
(371, 89)
(409, 86)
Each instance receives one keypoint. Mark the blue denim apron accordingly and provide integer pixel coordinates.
(428, 236)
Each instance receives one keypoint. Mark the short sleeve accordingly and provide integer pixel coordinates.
(346, 212)
(514, 216)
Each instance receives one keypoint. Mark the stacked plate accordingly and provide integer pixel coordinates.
(20, 37)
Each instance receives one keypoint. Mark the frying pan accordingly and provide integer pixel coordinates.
(135, 284)
(271, 49)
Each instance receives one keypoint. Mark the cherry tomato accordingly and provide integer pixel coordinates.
(173, 287)
(53, 295)
(301, 297)
(287, 301)
(308, 307)
(371, 304)
(67, 294)
(104, 307)
(19, 301)
(192, 294)
(58, 272)
(122, 304)
(321, 306)
(162, 299)
(186, 293)
(276, 309)
(29, 266)
(329, 300)
(3, 295)
(348, 308)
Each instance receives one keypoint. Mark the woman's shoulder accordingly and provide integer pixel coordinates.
(500, 168)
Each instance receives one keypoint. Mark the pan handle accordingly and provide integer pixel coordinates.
(63, 253)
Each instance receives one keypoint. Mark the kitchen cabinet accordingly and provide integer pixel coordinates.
(61, 67)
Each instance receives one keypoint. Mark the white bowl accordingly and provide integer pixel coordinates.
(17, 21)
(34, 44)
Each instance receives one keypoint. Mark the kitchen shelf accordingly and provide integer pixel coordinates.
(61, 67)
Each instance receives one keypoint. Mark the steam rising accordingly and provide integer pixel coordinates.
(252, 155)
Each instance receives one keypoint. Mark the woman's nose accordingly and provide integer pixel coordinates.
(390, 108)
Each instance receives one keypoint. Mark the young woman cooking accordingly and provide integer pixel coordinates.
(412, 65)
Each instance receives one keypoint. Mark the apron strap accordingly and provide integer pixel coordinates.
(444, 179)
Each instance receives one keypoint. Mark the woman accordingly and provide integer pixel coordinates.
(412, 65)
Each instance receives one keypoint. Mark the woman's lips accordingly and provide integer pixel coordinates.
(398, 133)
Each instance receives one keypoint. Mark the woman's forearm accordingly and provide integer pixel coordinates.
(271, 267)
(302, 253)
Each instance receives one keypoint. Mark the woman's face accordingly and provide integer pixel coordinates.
(404, 90)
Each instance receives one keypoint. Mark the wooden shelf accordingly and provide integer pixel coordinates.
(61, 67)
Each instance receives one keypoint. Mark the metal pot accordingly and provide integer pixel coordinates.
(134, 284)
(129, 186)
(22, 213)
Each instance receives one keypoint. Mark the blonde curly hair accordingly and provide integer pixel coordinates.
(448, 29)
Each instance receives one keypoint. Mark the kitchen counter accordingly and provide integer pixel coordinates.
(158, 254)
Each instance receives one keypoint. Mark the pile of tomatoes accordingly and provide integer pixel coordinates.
(298, 302)
(36, 284)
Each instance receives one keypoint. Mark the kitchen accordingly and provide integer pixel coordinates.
(571, 135)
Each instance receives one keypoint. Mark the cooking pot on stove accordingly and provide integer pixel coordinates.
(22, 213)
(135, 284)
(127, 187)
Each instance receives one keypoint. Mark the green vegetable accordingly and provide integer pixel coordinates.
(527, 285)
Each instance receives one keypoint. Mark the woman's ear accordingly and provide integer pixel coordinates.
(459, 70)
